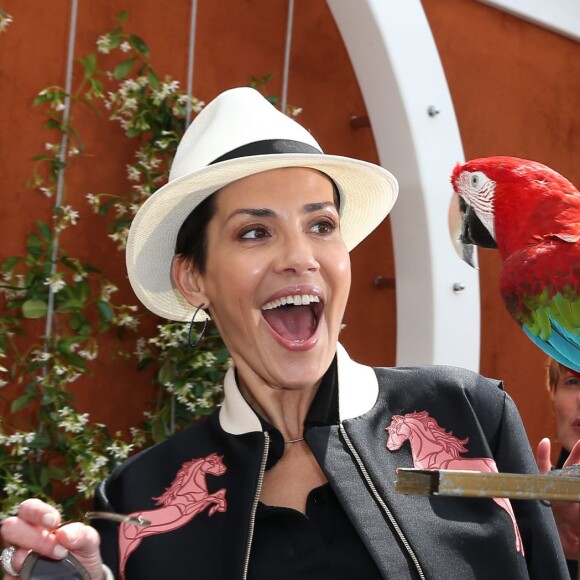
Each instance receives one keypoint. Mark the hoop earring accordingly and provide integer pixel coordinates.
(201, 334)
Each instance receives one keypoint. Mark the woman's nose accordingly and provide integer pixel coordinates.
(297, 255)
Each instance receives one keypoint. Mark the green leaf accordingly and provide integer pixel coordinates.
(153, 79)
(89, 64)
(45, 231)
(9, 263)
(105, 310)
(34, 309)
(40, 441)
(77, 361)
(51, 473)
(21, 403)
(122, 17)
(123, 69)
(34, 244)
(166, 373)
(77, 321)
(70, 305)
(65, 346)
(138, 44)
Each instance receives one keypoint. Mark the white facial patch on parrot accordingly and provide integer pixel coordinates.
(477, 190)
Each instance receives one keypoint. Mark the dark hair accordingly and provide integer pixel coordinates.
(191, 241)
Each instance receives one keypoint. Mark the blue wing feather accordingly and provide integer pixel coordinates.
(562, 345)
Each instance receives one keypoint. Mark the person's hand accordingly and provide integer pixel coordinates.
(35, 528)
(566, 514)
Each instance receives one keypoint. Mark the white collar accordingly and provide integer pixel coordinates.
(358, 390)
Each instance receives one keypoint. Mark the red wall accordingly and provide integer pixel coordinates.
(512, 83)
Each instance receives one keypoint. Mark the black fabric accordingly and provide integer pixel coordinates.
(268, 147)
(197, 549)
(321, 545)
(564, 454)
(471, 539)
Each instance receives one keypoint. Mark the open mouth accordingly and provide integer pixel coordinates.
(294, 318)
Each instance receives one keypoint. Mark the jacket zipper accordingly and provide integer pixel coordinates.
(382, 503)
(255, 504)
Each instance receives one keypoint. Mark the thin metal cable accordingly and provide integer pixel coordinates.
(190, 57)
(189, 90)
(62, 158)
(283, 103)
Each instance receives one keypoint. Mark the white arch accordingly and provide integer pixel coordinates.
(401, 78)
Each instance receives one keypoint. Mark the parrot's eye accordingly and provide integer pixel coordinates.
(475, 180)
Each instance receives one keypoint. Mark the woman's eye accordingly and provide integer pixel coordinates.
(253, 234)
(324, 227)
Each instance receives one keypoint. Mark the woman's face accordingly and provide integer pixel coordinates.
(566, 400)
(277, 276)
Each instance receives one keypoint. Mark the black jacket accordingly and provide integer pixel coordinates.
(206, 533)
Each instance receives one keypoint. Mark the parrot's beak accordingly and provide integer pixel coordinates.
(465, 250)
(467, 231)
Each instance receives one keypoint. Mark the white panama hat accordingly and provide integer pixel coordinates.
(239, 134)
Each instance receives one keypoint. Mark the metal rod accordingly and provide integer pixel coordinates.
(456, 483)
(286, 70)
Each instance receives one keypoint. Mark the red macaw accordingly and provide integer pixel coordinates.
(531, 214)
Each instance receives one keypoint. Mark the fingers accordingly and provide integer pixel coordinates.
(543, 456)
(574, 456)
(39, 513)
(35, 528)
(80, 538)
(17, 561)
(31, 530)
(83, 541)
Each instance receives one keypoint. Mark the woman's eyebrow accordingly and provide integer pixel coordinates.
(254, 212)
(265, 212)
(311, 207)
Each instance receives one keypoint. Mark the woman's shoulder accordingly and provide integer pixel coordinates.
(440, 384)
(439, 375)
(177, 448)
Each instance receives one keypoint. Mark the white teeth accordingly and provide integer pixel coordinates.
(297, 300)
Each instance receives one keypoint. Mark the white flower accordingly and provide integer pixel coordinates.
(106, 291)
(89, 354)
(5, 21)
(70, 215)
(125, 46)
(80, 276)
(14, 485)
(127, 320)
(104, 44)
(46, 191)
(120, 450)
(55, 282)
(196, 105)
(133, 174)
(120, 237)
(40, 356)
(70, 421)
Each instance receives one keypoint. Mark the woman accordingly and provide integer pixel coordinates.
(293, 477)
(564, 387)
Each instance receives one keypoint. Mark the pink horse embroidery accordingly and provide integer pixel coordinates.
(433, 448)
(186, 497)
